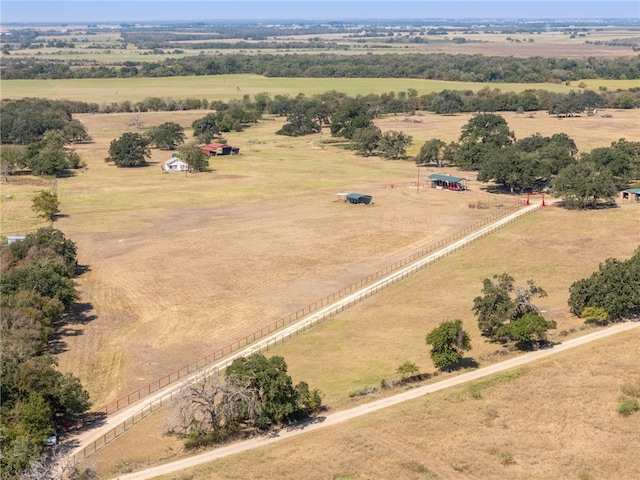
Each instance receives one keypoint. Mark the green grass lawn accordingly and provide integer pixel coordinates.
(226, 87)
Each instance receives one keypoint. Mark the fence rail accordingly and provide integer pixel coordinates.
(201, 363)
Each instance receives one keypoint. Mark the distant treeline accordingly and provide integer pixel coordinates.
(469, 68)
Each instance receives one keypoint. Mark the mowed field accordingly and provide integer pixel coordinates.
(180, 265)
(227, 87)
(555, 418)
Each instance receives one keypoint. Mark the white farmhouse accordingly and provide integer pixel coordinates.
(175, 164)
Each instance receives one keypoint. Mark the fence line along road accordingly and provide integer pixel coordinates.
(115, 425)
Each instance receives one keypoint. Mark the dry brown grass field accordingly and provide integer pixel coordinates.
(553, 419)
(180, 265)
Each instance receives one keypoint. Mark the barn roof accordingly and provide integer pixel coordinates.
(446, 178)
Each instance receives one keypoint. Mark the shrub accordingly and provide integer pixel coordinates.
(407, 369)
(362, 391)
(628, 407)
(596, 315)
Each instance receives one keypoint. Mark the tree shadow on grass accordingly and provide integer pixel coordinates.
(79, 315)
(466, 363)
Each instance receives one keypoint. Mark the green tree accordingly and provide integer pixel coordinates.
(206, 128)
(280, 401)
(503, 303)
(617, 160)
(47, 277)
(36, 419)
(192, 154)
(130, 150)
(473, 155)
(75, 132)
(12, 157)
(448, 340)
(447, 102)
(584, 185)
(511, 168)
(166, 136)
(236, 116)
(407, 369)
(488, 129)
(349, 117)
(614, 287)
(48, 156)
(365, 140)
(393, 144)
(305, 117)
(47, 238)
(527, 330)
(595, 315)
(432, 152)
(46, 204)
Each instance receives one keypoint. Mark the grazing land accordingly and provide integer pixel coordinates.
(182, 264)
(227, 87)
(535, 422)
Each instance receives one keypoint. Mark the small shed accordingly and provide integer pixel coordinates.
(15, 238)
(175, 164)
(631, 193)
(359, 198)
(448, 182)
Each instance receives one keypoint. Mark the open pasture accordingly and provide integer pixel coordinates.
(227, 87)
(181, 265)
(552, 419)
(107, 47)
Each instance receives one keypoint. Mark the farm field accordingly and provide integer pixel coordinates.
(180, 265)
(545, 420)
(110, 48)
(227, 87)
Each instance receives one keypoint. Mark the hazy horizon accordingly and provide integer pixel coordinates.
(144, 11)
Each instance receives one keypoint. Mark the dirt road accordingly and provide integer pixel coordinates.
(345, 415)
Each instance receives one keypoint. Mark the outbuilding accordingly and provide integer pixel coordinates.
(214, 149)
(631, 193)
(359, 198)
(448, 182)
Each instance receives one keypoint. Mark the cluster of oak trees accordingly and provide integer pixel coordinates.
(37, 297)
(36, 134)
(506, 314)
(487, 146)
(256, 393)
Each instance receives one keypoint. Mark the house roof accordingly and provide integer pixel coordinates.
(356, 196)
(445, 178)
(216, 145)
(174, 160)
(635, 191)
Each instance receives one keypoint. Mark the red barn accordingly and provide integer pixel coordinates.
(214, 149)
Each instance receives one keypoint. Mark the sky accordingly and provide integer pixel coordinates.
(107, 11)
